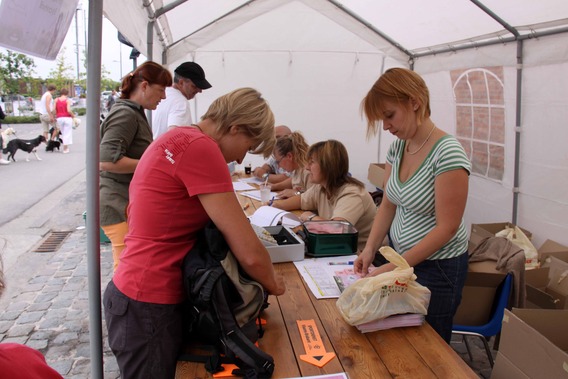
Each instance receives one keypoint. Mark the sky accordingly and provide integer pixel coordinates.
(113, 52)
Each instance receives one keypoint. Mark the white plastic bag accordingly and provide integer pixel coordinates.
(387, 294)
(516, 236)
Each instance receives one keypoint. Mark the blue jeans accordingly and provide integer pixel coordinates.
(445, 279)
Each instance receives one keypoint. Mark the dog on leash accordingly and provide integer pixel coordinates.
(27, 145)
(54, 141)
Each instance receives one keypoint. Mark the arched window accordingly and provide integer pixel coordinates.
(480, 118)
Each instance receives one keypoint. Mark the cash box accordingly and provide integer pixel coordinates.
(289, 246)
(330, 238)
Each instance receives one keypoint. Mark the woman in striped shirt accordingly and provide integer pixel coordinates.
(426, 179)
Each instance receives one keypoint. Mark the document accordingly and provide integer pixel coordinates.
(271, 216)
(394, 321)
(256, 195)
(327, 277)
(242, 186)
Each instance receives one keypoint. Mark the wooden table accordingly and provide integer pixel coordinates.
(412, 352)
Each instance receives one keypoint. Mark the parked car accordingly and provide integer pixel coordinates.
(5, 98)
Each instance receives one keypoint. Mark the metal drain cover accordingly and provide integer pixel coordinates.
(52, 242)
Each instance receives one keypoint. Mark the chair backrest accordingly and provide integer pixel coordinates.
(502, 299)
(493, 326)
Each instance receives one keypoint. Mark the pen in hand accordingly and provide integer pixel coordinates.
(271, 201)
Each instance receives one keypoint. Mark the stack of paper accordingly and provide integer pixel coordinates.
(394, 321)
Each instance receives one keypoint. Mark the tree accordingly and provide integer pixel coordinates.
(107, 83)
(62, 75)
(14, 67)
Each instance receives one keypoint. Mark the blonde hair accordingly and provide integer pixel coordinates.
(296, 144)
(395, 85)
(246, 108)
(332, 157)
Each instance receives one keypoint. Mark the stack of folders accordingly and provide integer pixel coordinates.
(394, 321)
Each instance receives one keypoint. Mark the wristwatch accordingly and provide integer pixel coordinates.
(265, 175)
(311, 216)
(297, 193)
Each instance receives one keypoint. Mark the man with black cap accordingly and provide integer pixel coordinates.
(189, 80)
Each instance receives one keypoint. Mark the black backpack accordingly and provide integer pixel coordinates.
(222, 309)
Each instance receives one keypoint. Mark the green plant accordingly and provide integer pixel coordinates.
(34, 119)
(80, 111)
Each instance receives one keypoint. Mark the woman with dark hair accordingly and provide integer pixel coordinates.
(64, 116)
(125, 135)
(291, 154)
(335, 194)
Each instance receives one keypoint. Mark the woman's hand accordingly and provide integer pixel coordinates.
(280, 286)
(363, 261)
(284, 194)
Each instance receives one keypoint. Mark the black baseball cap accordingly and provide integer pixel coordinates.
(193, 71)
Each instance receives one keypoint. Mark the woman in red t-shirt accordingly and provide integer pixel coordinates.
(64, 116)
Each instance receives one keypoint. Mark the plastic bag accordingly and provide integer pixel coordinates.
(516, 236)
(387, 294)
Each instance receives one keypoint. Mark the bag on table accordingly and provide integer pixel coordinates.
(223, 308)
(376, 297)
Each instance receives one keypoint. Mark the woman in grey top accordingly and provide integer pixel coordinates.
(125, 135)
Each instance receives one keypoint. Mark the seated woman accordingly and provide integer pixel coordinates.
(335, 195)
(290, 154)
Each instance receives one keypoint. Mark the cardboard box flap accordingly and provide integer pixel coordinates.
(537, 278)
(478, 296)
(552, 248)
(552, 324)
(558, 276)
(376, 174)
(529, 350)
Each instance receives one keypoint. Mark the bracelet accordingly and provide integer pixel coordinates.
(297, 193)
(265, 175)
(311, 216)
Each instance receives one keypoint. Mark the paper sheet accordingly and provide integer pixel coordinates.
(242, 186)
(339, 375)
(271, 216)
(321, 274)
(252, 179)
(256, 195)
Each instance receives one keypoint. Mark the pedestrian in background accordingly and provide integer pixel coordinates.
(64, 118)
(47, 111)
(125, 135)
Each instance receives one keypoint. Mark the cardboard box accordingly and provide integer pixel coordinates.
(533, 342)
(478, 295)
(552, 248)
(543, 285)
(290, 247)
(481, 231)
(376, 175)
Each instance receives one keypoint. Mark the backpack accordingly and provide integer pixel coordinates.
(2, 114)
(223, 308)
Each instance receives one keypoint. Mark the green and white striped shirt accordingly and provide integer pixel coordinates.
(415, 212)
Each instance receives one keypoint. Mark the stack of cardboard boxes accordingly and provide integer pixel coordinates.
(534, 340)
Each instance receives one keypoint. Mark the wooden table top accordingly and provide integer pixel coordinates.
(411, 352)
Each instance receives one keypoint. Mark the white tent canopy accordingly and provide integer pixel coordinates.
(314, 60)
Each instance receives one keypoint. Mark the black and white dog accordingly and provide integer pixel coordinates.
(55, 140)
(27, 145)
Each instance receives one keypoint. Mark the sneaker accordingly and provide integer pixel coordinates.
(4, 161)
(66, 151)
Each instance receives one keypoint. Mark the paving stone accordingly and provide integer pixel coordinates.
(21, 340)
(5, 325)
(9, 316)
(20, 330)
(28, 317)
(65, 337)
(53, 288)
(30, 292)
(42, 334)
(18, 306)
(45, 297)
(61, 303)
(39, 279)
(37, 344)
(62, 366)
(39, 306)
(65, 274)
(56, 281)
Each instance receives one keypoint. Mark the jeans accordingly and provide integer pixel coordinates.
(445, 279)
(145, 338)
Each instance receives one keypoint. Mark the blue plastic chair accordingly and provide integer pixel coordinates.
(493, 326)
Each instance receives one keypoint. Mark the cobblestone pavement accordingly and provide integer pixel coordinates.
(51, 311)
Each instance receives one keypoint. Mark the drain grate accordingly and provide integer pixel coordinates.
(52, 242)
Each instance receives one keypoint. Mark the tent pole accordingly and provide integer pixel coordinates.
(150, 56)
(92, 169)
(517, 131)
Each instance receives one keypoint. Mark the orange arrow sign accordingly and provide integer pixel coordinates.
(315, 351)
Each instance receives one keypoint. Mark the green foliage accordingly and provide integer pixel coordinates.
(62, 75)
(34, 119)
(80, 111)
(14, 67)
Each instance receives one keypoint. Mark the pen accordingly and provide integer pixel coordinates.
(271, 201)
(340, 263)
(246, 206)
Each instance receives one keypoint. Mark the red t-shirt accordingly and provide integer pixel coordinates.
(22, 362)
(61, 108)
(165, 213)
